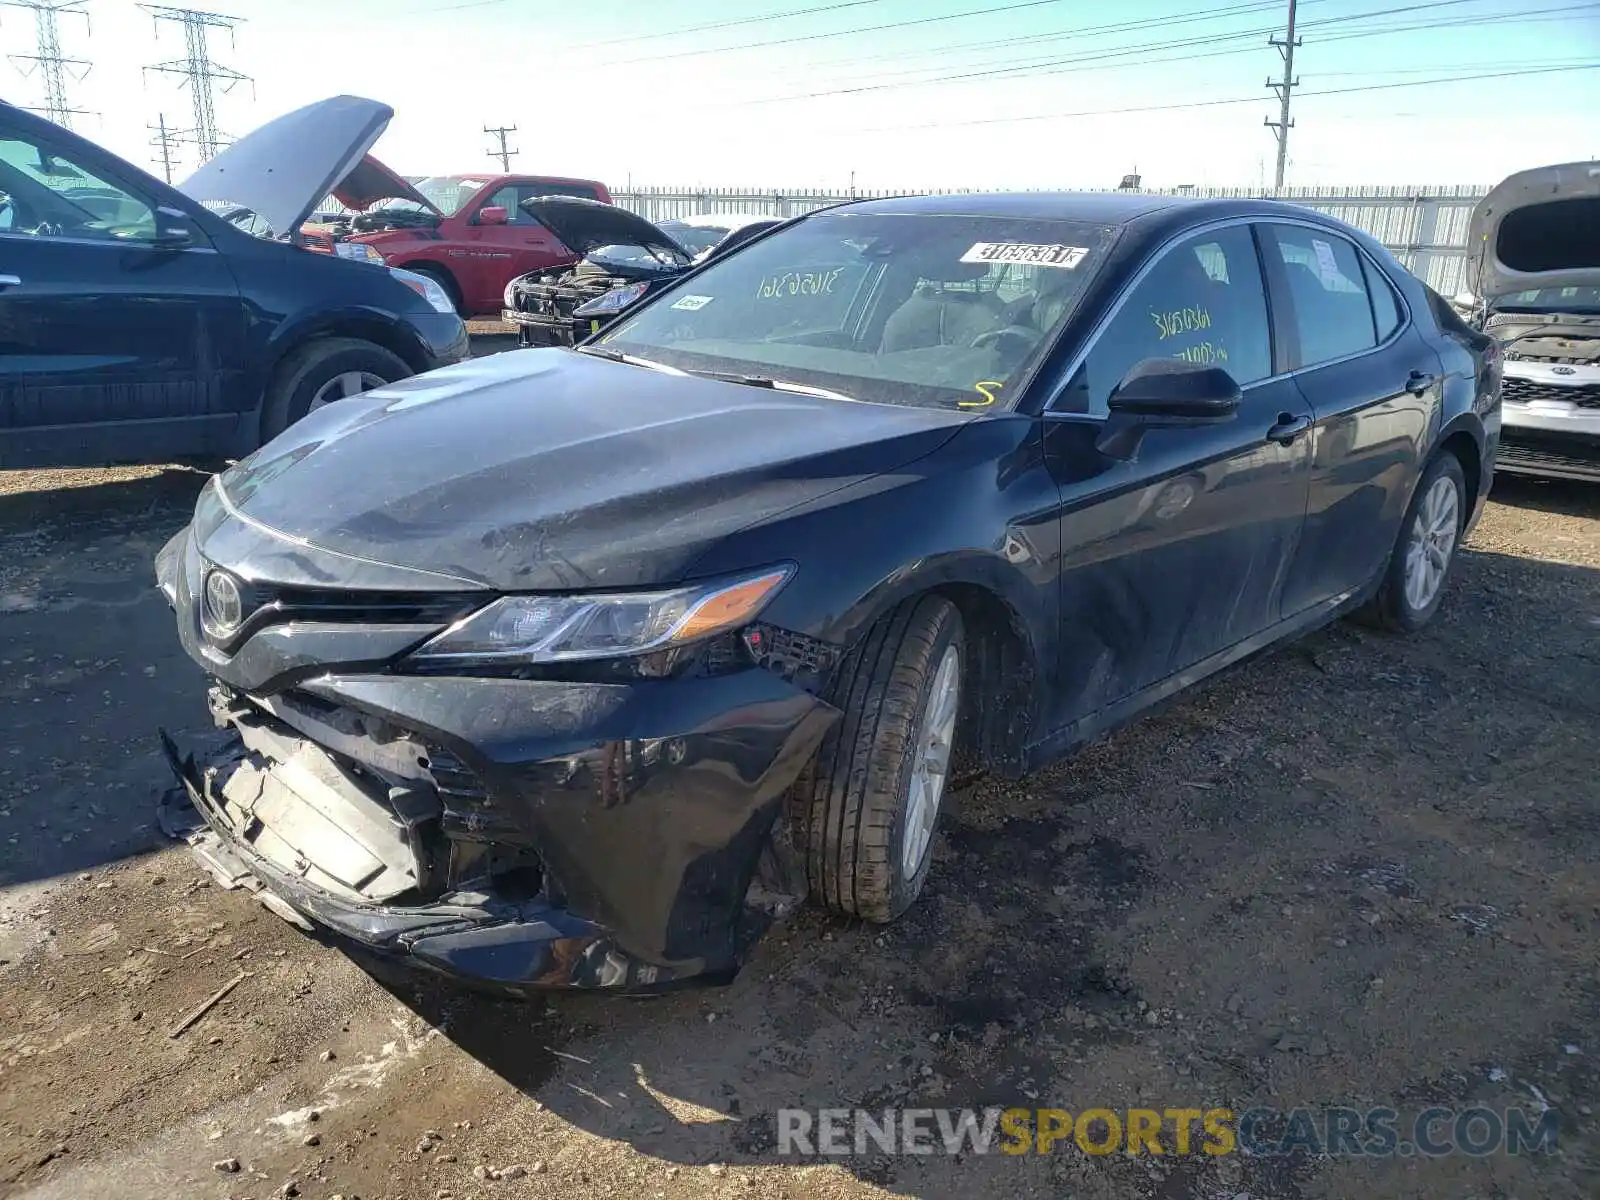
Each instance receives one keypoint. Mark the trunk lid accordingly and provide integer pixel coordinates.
(1538, 230)
(553, 470)
(282, 170)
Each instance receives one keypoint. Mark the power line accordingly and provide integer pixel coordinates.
(48, 60)
(1207, 14)
(670, 33)
(1256, 99)
(502, 154)
(198, 69)
(1073, 63)
(817, 37)
(1284, 88)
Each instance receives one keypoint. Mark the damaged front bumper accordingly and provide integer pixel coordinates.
(516, 833)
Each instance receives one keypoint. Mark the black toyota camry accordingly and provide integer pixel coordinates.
(578, 667)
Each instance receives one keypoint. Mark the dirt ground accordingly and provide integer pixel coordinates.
(1360, 870)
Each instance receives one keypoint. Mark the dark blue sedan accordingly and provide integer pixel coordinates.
(575, 667)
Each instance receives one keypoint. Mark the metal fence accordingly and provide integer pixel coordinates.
(1425, 227)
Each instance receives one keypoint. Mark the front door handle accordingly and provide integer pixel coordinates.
(1288, 429)
(10, 281)
(1418, 382)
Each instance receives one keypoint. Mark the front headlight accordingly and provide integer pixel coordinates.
(426, 287)
(614, 301)
(561, 628)
(508, 298)
(358, 251)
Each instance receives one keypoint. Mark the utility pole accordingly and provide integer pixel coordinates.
(166, 140)
(48, 61)
(1283, 87)
(503, 154)
(197, 68)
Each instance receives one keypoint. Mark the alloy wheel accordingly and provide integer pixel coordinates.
(1432, 542)
(930, 769)
(344, 385)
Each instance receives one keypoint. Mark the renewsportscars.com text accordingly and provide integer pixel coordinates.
(1259, 1132)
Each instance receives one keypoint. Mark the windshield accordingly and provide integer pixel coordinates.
(928, 310)
(1563, 299)
(444, 192)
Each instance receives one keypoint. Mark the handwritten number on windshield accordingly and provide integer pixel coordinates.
(799, 283)
(983, 389)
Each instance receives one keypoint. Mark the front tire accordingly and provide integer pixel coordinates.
(321, 372)
(445, 280)
(1414, 582)
(864, 812)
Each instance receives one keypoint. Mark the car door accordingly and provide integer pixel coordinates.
(1178, 555)
(1372, 382)
(113, 347)
(499, 253)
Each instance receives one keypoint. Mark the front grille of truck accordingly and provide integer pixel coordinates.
(1525, 391)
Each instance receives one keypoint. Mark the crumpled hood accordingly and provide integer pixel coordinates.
(553, 470)
(1538, 229)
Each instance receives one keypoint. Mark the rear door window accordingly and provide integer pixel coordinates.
(1332, 312)
(1203, 301)
(1385, 306)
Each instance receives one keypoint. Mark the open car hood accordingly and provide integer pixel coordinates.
(370, 181)
(585, 225)
(1537, 229)
(282, 170)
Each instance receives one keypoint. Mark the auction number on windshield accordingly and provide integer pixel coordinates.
(799, 283)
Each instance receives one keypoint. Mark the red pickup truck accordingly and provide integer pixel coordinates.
(469, 232)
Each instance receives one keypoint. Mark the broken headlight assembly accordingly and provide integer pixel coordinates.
(614, 301)
(556, 628)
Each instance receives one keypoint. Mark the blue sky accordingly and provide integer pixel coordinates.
(708, 108)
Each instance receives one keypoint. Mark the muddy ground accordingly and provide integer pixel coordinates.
(1358, 871)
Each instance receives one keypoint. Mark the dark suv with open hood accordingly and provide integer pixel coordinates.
(1536, 246)
(145, 323)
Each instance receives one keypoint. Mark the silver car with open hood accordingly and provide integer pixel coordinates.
(1536, 256)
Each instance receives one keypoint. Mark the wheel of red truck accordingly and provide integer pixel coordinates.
(321, 372)
(445, 280)
(864, 813)
(1414, 580)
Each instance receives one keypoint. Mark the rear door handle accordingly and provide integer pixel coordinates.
(10, 281)
(1288, 429)
(1418, 382)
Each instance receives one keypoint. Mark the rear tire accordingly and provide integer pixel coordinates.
(310, 374)
(863, 813)
(1414, 582)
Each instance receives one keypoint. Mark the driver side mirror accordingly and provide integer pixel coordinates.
(1165, 393)
(493, 214)
(174, 230)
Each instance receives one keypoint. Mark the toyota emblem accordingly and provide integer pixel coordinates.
(1563, 370)
(224, 605)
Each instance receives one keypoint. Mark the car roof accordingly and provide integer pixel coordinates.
(729, 221)
(1097, 208)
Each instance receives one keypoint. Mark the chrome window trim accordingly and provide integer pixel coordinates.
(36, 239)
(1077, 361)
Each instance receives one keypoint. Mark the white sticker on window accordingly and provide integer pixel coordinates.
(1326, 263)
(693, 302)
(1065, 257)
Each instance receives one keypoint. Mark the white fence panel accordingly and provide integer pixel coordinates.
(1424, 226)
